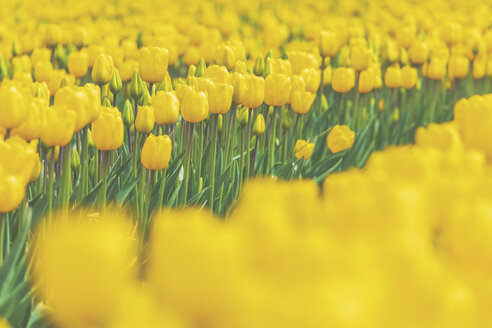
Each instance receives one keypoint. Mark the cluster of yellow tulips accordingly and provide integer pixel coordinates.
(147, 107)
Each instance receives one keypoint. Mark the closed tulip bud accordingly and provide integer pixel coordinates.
(60, 126)
(107, 130)
(303, 149)
(78, 64)
(107, 102)
(343, 79)
(392, 77)
(243, 116)
(75, 164)
(255, 91)
(328, 44)
(102, 72)
(435, 69)
(259, 127)
(458, 67)
(286, 119)
(33, 127)
(144, 123)
(302, 101)
(15, 48)
(145, 99)
(166, 107)
(43, 71)
(156, 152)
(128, 114)
(200, 68)
(194, 106)
(4, 72)
(409, 77)
(360, 58)
(191, 71)
(219, 97)
(277, 89)
(153, 64)
(366, 81)
(61, 55)
(14, 107)
(136, 89)
(65, 82)
(224, 56)
(116, 84)
(340, 138)
(324, 103)
(259, 66)
(238, 82)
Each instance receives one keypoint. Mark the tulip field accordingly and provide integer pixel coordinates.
(245, 164)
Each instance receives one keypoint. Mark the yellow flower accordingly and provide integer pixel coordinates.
(218, 74)
(302, 101)
(224, 56)
(340, 138)
(360, 57)
(303, 149)
(166, 107)
(312, 78)
(153, 64)
(393, 77)
(328, 44)
(343, 79)
(144, 123)
(277, 89)
(409, 77)
(219, 97)
(107, 130)
(419, 52)
(105, 249)
(78, 63)
(33, 126)
(435, 69)
(102, 72)
(458, 67)
(238, 82)
(194, 106)
(60, 126)
(14, 107)
(156, 152)
(18, 158)
(444, 136)
(279, 66)
(255, 91)
(43, 71)
(366, 81)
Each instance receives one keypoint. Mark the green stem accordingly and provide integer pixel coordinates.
(212, 166)
(3, 219)
(67, 177)
(248, 140)
(105, 160)
(241, 165)
(161, 188)
(189, 151)
(51, 182)
(271, 147)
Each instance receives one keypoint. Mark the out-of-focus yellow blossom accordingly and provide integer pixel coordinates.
(360, 57)
(393, 77)
(366, 81)
(14, 108)
(409, 77)
(78, 64)
(156, 152)
(340, 138)
(106, 250)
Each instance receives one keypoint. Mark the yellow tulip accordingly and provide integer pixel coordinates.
(328, 44)
(166, 107)
(60, 126)
(360, 57)
(238, 82)
(366, 81)
(219, 97)
(14, 107)
(302, 101)
(343, 79)
(255, 91)
(259, 127)
(409, 77)
(277, 89)
(153, 64)
(340, 138)
(78, 64)
(144, 122)
(43, 71)
(102, 72)
(107, 130)
(393, 77)
(303, 149)
(194, 106)
(33, 126)
(156, 152)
